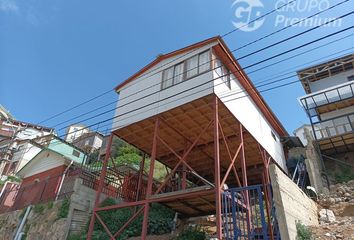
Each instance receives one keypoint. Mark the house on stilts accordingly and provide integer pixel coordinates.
(196, 111)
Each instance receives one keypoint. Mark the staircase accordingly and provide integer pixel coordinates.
(300, 173)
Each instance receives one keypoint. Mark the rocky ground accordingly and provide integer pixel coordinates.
(336, 215)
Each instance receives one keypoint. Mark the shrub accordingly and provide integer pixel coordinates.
(303, 232)
(160, 221)
(195, 233)
(344, 175)
(64, 208)
(50, 205)
(38, 208)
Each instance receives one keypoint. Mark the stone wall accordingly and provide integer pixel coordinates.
(291, 203)
(40, 225)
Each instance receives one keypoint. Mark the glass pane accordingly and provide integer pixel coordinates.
(218, 68)
(345, 92)
(178, 75)
(320, 99)
(204, 61)
(332, 96)
(167, 78)
(192, 66)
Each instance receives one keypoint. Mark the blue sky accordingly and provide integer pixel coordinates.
(55, 54)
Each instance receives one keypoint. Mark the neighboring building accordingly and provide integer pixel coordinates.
(89, 142)
(329, 103)
(19, 140)
(303, 133)
(5, 114)
(75, 131)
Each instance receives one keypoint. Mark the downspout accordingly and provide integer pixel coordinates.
(62, 179)
(19, 232)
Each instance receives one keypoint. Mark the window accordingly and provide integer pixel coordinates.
(223, 73)
(226, 76)
(204, 61)
(167, 78)
(76, 153)
(351, 78)
(178, 74)
(189, 68)
(273, 136)
(192, 66)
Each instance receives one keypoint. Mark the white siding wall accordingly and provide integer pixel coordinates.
(43, 162)
(250, 116)
(26, 152)
(164, 98)
(330, 81)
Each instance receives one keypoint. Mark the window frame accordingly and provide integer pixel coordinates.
(184, 63)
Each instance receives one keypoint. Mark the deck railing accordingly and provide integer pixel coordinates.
(334, 127)
(327, 96)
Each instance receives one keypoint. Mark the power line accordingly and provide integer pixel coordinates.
(221, 97)
(228, 33)
(277, 55)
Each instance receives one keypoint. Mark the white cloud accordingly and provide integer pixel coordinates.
(8, 6)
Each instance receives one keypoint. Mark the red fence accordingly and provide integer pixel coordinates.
(16, 196)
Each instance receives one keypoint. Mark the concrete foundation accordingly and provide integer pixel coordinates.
(292, 204)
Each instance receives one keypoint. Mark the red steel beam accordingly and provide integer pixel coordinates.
(217, 169)
(104, 226)
(150, 180)
(100, 187)
(135, 215)
(182, 159)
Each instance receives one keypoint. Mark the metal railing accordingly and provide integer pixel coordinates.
(334, 126)
(327, 96)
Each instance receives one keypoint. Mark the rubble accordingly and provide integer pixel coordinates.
(336, 215)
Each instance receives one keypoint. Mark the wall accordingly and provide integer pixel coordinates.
(337, 113)
(26, 152)
(291, 204)
(150, 86)
(330, 81)
(246, 111)
(300, 133)
(42, 162)
(66, 150)
(81, 205)
(39, 225)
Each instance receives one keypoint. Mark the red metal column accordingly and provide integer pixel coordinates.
(100, 186)
(141, 171)
(150, 181)
(244, 180)
(217, 169)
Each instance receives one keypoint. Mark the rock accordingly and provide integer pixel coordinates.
(347, 194)
(327, 234)
(327, 215)
(339, 236)
(331, 200)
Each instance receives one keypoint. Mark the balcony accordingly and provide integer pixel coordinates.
(329, 99)
(336, 135)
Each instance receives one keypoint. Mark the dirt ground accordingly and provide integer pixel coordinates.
(341, 202)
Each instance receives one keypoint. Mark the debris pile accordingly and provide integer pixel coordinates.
(336, 215)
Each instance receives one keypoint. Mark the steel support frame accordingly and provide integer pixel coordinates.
(219, 180)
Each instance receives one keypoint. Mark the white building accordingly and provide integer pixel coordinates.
(329, 103)
(302, 131)
(75, 131)
(192, 73)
